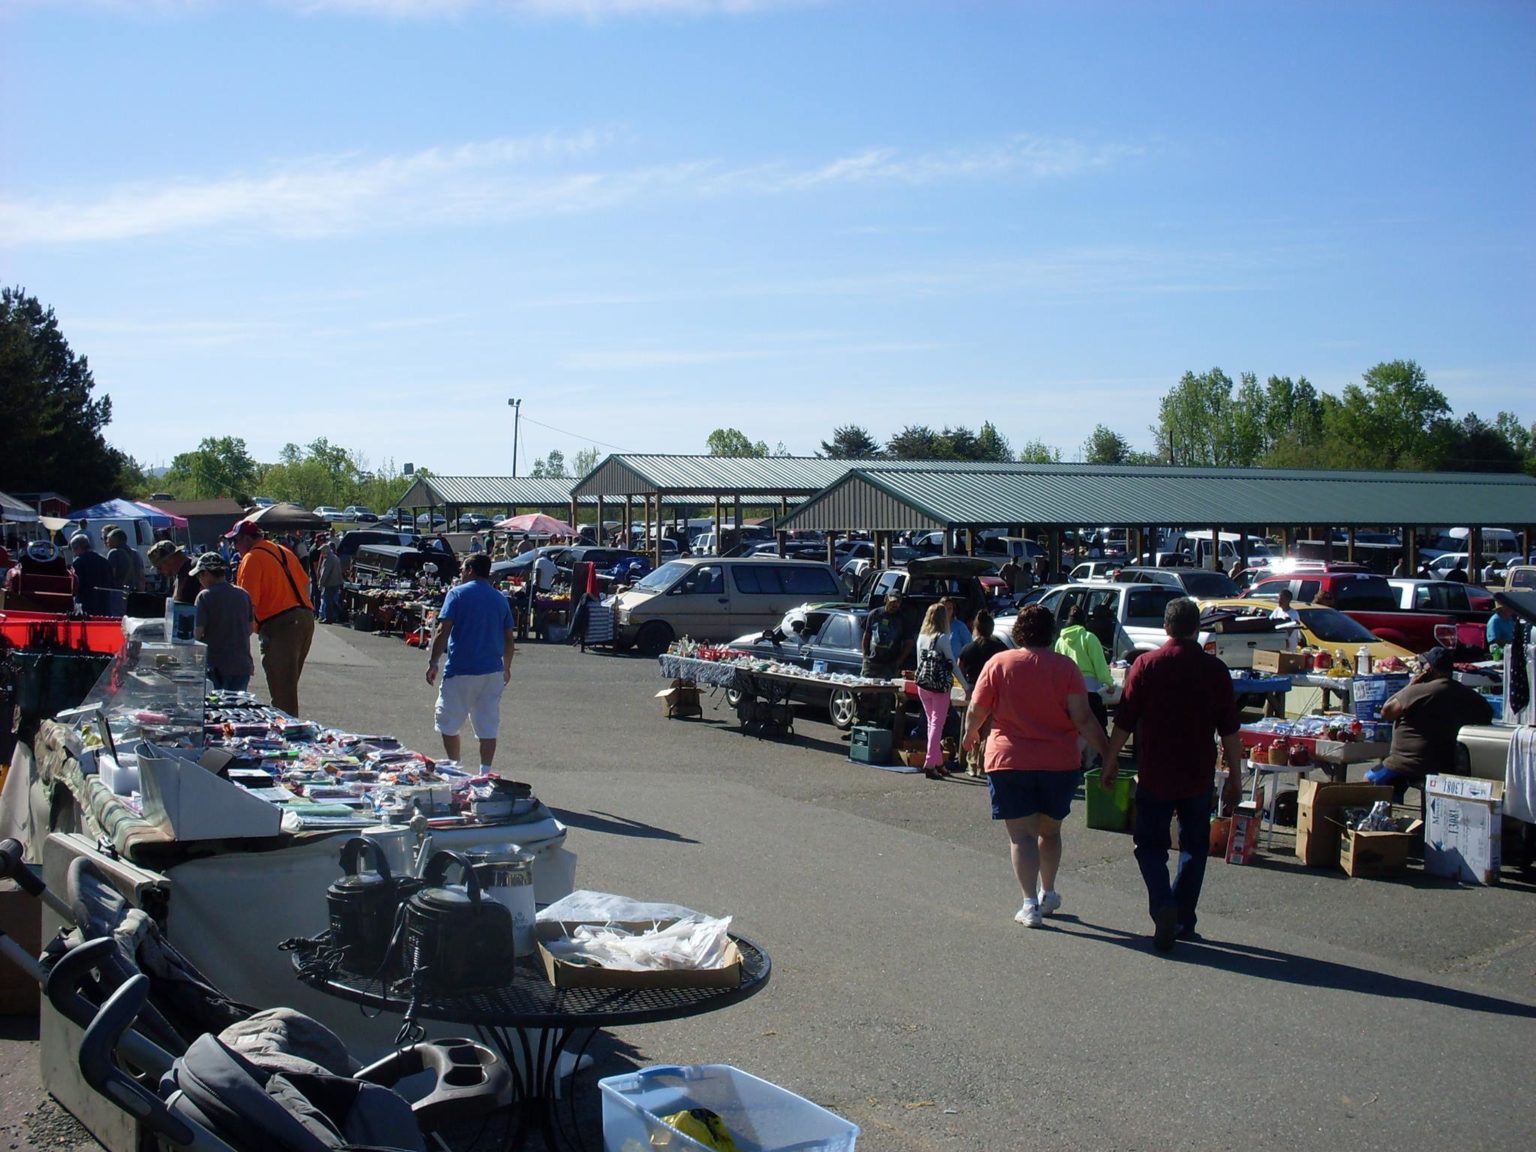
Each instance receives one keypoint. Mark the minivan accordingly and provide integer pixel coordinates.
(716, 598)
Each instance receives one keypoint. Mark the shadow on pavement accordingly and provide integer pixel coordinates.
(617, 826)
(1309, 971)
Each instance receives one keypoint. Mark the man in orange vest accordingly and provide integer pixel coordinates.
(284, 616)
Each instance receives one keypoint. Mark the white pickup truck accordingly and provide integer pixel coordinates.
(1138, 610)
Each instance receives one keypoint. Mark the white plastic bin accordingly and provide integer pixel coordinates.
(762, 1117)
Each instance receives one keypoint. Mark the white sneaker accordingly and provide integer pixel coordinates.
(1049, 902)
(1029, 915)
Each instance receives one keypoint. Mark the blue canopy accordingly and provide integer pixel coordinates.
(123, 510)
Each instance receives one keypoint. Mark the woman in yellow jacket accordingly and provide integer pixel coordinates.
(1084, 648)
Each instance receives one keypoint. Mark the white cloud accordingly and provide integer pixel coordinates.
(490, 180)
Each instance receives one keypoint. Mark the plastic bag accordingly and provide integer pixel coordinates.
(679, 937)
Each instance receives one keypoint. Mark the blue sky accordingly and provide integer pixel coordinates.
(376, 220)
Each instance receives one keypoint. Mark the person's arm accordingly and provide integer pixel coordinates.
(1232, 750)
(439, 645)
(864, 640)
(980, 711)
(1100, 664)
(1396, 704)
(199, 622)
(508, 649)
(1126, 717)
(1088, 725)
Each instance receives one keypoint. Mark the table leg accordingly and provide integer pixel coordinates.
(534, 1057)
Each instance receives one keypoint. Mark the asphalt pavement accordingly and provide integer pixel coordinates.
(1317, 1011)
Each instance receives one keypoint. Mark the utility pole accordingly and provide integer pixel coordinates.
(517, 413)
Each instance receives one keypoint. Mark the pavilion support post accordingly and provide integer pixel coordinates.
(719, 524)
(1410, 551)
(600, 532)
(1055, 552)
(1214, 560)
(1474, 553)
(780, 534)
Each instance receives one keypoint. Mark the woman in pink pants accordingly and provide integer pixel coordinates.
(935, 676)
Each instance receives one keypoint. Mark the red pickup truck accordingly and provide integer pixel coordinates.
(1374, 602)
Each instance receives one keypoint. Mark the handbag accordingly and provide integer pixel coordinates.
(935, 671)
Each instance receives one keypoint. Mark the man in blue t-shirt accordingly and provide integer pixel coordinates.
(476, 629)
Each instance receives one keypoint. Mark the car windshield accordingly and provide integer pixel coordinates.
(1333, 627)
(664, 577)
(1210, 585)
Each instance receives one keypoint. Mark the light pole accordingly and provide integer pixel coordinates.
(517, 413)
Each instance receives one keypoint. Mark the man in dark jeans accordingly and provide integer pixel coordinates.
(1174, 699)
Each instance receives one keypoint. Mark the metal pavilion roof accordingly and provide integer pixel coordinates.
(880, 497)
(701, 476)
(488, 491)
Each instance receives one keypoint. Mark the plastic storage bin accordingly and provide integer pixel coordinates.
(870, 745)
(762, 1117)
(1108, 810)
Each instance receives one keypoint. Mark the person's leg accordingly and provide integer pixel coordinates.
(451, 746)
(1024, 852)
(1194, 849)
(485, 714)
(449, 715)
(279, 660)
(237, 683)
(303, 635)
(1153, 839)
(1049, 852)
(935, 708)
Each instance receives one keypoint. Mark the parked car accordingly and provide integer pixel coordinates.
(926, 580)
(326, 512)
(432, 522)
(1139, 608)
(1200, 583)
(348, 543)
(1323, 627)
(1096, 572)
(404, 562)
(358, 514)
(830, 634)
(473, 522)
(1464, 601)
(520, 566)
(716, 598)
(262, 501)
(1372, 601)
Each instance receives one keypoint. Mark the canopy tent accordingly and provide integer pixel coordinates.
(128, 510)
(15, 511)
(537, 524)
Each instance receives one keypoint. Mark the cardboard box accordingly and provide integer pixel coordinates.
(564, 974)
(21, 918)
(1369, 692)
(680, 700)
(1464, 836)
(1243, 837)
(1269, 660)
(1318, 825)
(1374, 853)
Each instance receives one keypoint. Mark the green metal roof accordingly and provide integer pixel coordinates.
(761, 476)
(911, 495)
(487, 491)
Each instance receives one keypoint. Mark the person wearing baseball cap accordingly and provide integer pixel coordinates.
(284, 615)
(176, 566)
(93, 577)
(1426, 717)
(223, 622)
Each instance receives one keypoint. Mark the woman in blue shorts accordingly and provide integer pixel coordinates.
(1038, 705)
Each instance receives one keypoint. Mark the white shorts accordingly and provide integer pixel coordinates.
(475, 697)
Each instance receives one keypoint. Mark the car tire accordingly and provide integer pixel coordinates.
(842, 709)
(653, 638)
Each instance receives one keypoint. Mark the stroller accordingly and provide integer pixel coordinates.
(243, 1081)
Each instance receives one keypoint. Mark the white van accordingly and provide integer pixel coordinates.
(1197, 546)
(709, 598)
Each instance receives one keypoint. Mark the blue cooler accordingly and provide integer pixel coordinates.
(1371, 691)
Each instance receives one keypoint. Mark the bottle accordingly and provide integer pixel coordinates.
(1362, 661)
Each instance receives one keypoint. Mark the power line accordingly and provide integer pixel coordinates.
(572, 435)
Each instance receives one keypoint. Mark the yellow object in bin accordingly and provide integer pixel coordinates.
(699, 1124)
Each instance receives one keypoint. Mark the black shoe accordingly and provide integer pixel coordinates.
(1166, 920)
(1186, 932)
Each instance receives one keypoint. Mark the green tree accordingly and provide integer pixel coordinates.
(992, 446)
(1292, 418)
(584, 461)
(1039, 452)
(916, 442)
(1394, 419)
(850, 442)
(1194, 421)
(551, 467)
(732, 442)
(218, 466)
(1105, 446)
(1475, 445)
(53, 429)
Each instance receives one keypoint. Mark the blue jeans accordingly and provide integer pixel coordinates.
(330, 605)
(229, 683)
(1153, 840)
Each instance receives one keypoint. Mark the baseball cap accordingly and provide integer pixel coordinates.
(247, 528)
(209, 562)
(1440, 659)
(161, 550)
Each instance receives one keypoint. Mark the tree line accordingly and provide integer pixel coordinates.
(53, 432)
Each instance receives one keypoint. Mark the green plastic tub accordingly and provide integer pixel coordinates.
(1109, 810)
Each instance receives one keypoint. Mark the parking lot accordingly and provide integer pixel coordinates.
(1319, 1012)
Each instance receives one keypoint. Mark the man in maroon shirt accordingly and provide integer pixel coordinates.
(1175, 700)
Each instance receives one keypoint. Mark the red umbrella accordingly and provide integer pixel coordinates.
(537, 524)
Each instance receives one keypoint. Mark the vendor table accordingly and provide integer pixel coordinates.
(532, 1023)
(776, 687)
